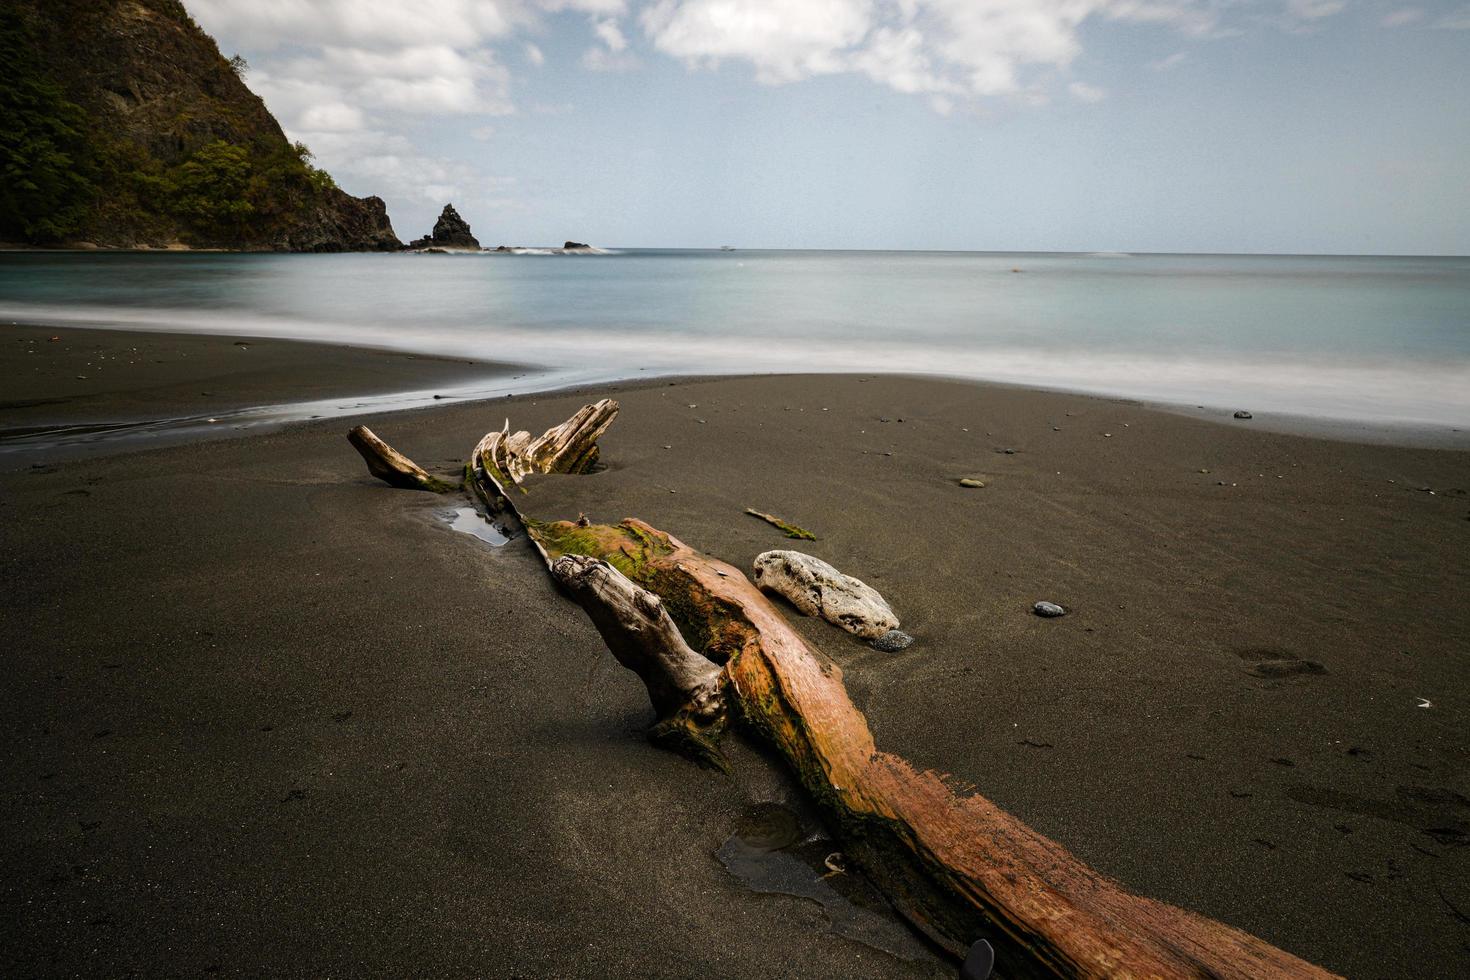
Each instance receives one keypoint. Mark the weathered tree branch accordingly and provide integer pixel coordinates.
(570, 447)
(687, 691)
(951, 861)
(955, 864)
(391, 466)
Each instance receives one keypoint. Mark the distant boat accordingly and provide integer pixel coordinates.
(727, 248)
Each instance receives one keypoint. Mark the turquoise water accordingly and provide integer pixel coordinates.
(1383, 340)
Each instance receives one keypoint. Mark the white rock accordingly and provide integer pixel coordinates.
(818, 589)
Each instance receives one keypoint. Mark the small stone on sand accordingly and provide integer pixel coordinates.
(1242, 414)
(892, 641)
(1049, 610)
(974, 484)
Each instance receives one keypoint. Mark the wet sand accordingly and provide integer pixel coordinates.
(57, 376)
(268, 715)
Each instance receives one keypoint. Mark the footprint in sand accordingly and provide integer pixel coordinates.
(1276, 664)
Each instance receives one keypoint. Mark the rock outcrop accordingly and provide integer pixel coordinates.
(136, 131)
(343, 223)
(450, 231)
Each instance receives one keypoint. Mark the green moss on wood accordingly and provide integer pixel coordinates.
(790, 530)
(687, 737)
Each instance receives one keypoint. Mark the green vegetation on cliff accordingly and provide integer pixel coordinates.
(46, 186)
(122, 124)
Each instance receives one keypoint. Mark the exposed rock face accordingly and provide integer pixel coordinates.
(818, 589)
(161, 138)
(343, 223)
(450, 231)
(569, 246)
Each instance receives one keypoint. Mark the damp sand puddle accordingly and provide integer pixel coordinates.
(468, 520)
(773, 851)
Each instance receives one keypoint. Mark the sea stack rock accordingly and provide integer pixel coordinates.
(450, 231)
(576, 246)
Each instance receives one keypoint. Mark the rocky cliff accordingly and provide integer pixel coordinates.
(122, 124)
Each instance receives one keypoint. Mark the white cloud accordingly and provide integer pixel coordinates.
(331, 117)
(609, 8)
(898, 58)
(369, 23)
(351, 62)
(974, 48)
(609, 33)
(1083, 92)
(785, 40)
(614, 54)
(1402, 17)
(1169, 63)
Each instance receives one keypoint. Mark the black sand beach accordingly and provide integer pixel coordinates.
(269, 716)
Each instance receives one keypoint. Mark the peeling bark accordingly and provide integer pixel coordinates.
(570, 447)
(955, 864)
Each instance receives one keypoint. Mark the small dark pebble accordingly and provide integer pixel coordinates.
(1032, 743)
(1243, 415)
(1239, 795)
(892, 641)
(1264, 843)
(1049, 610)
(1283, 762)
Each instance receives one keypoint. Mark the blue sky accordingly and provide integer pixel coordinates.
(1090, 125)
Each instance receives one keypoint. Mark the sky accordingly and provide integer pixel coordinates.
(1297, 126)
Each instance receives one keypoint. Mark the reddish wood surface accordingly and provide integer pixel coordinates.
(959, 867)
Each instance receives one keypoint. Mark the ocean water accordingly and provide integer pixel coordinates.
(1362, 339)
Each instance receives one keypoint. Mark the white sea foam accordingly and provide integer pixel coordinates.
(1364, 339)
(1365, 391)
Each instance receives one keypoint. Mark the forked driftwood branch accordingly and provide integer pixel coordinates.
(567, 448)
(951, 861)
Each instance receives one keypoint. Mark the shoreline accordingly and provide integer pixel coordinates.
(94, 391)
(266, 703)
(35, 427)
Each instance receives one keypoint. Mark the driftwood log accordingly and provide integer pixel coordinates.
(570, 447)
(712, 650)
(391, 466)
